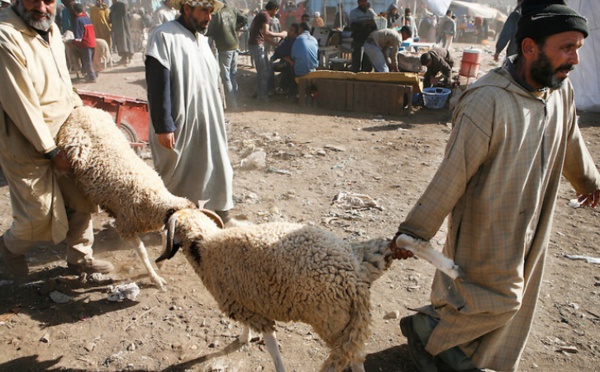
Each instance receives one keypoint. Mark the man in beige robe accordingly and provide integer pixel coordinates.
(35, 100)
(515, 132)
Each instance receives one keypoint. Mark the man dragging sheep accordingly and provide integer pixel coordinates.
(515, 132)
(188, 140)
(35, 100)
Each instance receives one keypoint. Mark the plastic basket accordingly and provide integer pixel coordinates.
(435, 98)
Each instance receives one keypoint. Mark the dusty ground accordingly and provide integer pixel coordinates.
(311, 156)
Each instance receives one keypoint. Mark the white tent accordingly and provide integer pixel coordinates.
(586, 77)
(477, 10)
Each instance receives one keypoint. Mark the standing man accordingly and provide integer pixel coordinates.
(85, 41)
(119, 19)
(100, 16)
(35, 100)
(382, 48)
(437, 60)
(448, 30)
(507, 35)
(515, 132)
(362, 23)
(259, 33)
(188, 138)
(223, 30)
(341, 19)
(164, 13)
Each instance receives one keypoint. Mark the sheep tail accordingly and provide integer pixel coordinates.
(374, 257)
(349, 348)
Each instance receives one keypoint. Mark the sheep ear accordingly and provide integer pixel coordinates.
(170, 248)
(202, 203)
(213, 216)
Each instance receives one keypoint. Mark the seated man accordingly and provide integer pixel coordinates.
(382, 47)
(281, 61)
(437, 60)
(305, 52)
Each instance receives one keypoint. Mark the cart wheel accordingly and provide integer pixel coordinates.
(131, 136)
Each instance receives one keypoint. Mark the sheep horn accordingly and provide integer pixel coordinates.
(213, 216)
(170, 248)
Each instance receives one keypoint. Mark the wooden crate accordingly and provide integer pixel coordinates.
(359, 96)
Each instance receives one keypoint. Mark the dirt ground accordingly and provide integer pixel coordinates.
(312, 155)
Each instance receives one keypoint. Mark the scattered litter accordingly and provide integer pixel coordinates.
(568, 349)
(588, 259)
(45, 338)
(59, 298)
(351, 200)
(124, 291)
(574, 203)
(278, 171)
(256, 160)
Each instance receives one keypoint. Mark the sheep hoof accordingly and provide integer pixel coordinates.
(161, 283)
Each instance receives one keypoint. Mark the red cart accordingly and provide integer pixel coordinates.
(130, 114)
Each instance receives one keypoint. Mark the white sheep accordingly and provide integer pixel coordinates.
(111, 175)
(260, 274)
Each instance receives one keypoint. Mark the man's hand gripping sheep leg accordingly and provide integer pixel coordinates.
(403, 243)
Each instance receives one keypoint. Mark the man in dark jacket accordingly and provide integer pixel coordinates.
(437, 60)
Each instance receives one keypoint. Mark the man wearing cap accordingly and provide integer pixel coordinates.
(4, 4)
(188, 139)
(514, 134)
(36, 99)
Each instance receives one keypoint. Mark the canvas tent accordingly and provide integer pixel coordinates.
(586, 76)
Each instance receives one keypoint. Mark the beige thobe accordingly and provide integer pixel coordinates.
(498, 181)
(35, 100)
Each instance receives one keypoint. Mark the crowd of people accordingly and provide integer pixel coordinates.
(514, 134)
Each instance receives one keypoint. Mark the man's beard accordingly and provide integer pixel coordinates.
(543, 73)
(28, 17)
(200, 26)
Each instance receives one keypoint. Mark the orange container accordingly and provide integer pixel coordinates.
(469, 65)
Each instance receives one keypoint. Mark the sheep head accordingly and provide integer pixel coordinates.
(187, 226)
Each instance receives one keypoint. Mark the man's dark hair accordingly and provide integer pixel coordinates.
(425, 58)
(304, 26)
(449, 13)
(407, 12)
(406, 30)
(78, 8)
(295, 26)
(271, 5)
(305, 16)
(539, 41)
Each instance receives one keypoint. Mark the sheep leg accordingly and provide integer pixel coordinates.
(425, 251)
(246, 335)
(273, 348)
(140, 249)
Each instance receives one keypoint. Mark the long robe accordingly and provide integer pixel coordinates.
(198, 168)
(35, 100)
(498, 181)
(119, 20)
